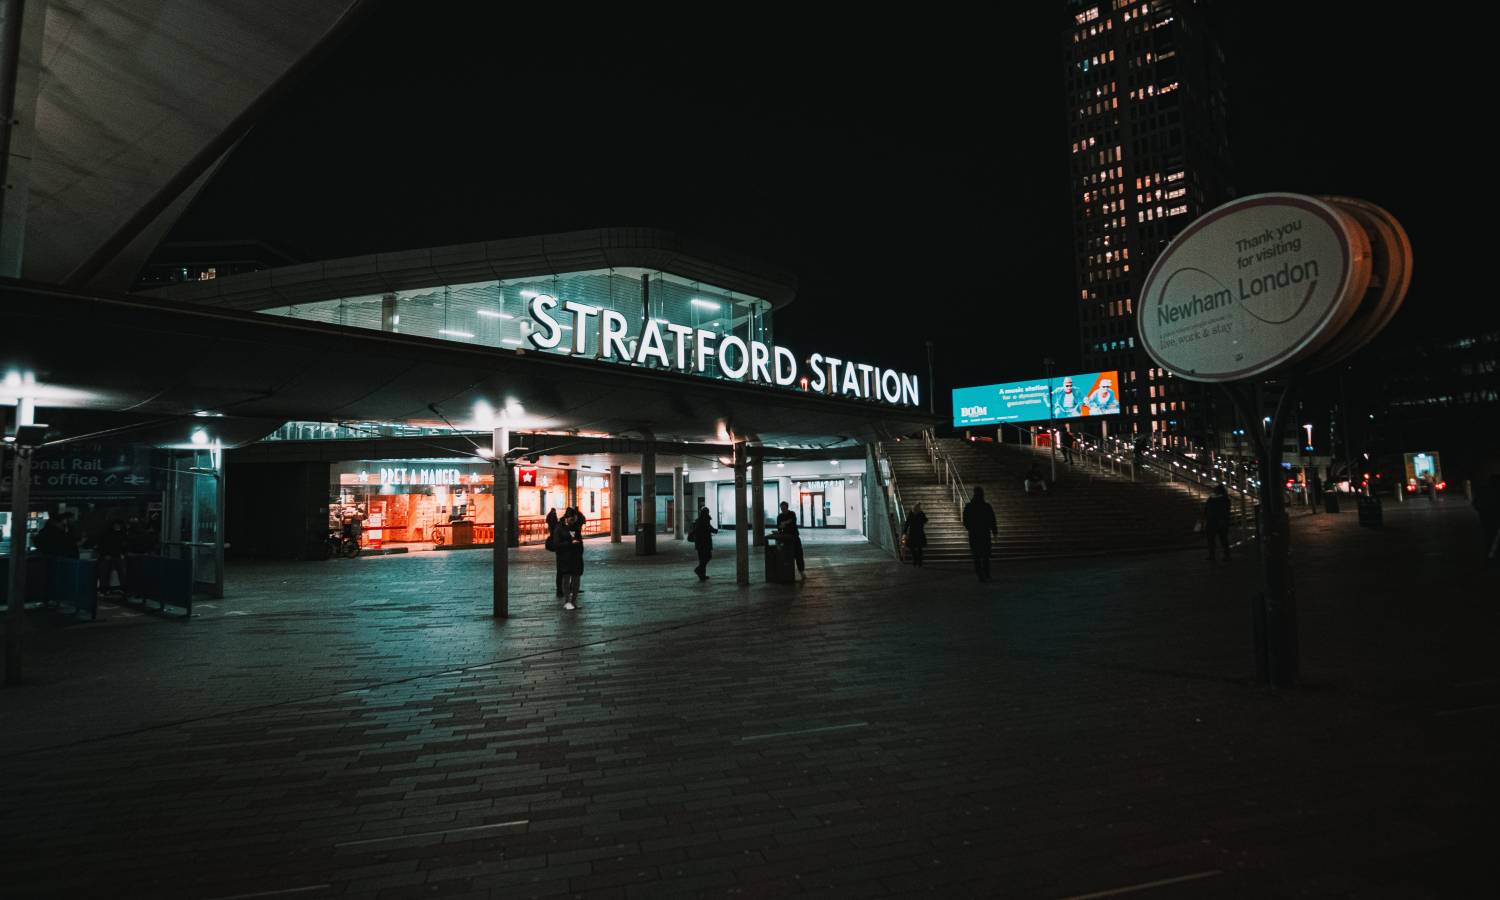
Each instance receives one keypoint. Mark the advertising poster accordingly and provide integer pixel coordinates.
(1066, 397)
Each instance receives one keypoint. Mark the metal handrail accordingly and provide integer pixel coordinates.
(946, 471)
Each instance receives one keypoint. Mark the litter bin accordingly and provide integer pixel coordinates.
(780, 561)
(1331, 502)
(1370, 513)
(463, 532)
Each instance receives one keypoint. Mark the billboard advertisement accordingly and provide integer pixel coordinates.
(1066, 397)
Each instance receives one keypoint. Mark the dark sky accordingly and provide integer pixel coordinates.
(911, 170)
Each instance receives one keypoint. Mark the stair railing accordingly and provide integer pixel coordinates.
(947, 472)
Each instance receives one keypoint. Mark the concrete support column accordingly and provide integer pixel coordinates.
(616, 504)
(757, 499)
(645, 529)
(15, 616)
(501, 551)
(741, 526)
(678, 505)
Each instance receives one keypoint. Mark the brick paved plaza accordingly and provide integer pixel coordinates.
(1077, 728)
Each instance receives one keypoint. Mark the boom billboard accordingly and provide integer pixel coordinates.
(1065, 397)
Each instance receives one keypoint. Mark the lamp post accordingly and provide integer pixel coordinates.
(931, 384)
(1051, 429)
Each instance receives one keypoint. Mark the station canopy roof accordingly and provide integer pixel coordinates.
(238, 375)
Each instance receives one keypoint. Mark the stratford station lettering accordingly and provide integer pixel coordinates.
(691, 350)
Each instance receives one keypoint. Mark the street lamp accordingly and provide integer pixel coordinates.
(1051, 430)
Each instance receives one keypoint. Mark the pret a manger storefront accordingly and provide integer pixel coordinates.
(451, 502)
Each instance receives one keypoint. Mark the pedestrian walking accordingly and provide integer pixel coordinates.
(702, 537)
(111, 549)
(1487, 504)
(791, 538)
(568, 546)
(915, 533)
(979, 522)
(1216, 521)
(1067, 446)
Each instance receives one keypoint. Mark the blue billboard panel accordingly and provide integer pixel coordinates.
(1064, 397)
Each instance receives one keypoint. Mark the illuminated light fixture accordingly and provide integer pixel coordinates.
(834, 461)
(492, 314)
(486, 452)
(395, 320)
(704, 304)
(514, 342)
(528, 294)
(200, 437)
(781, 465)
(454, 332)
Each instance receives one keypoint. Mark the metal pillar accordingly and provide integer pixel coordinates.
(15, 616)
(1275, 609)
(21, 38)
(1051, 429)
(757, 499)
(645, 528)
(500, 451)
(678, 503)
(616, 504)
(741, 526)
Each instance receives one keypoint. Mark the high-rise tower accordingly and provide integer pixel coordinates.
(1150, 153)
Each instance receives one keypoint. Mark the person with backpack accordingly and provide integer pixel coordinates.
(552, 548)
(702, 537)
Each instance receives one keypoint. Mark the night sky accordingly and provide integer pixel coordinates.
(912, 172)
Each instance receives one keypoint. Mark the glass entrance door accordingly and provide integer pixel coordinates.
(810, 511)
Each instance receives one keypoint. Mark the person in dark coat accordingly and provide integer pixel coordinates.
(1216, 521)
(111, 549)
(791, 538)
(979, 522)
(1487, 504)
(54, 537)
(702, 537)
(567, 542)
(552, 548)
(915, 531)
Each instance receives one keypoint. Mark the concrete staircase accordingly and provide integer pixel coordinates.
(1086, 513)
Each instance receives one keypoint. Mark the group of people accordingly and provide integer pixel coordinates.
(565, 539)
(701, 535)
(979, 522)
(60, 537)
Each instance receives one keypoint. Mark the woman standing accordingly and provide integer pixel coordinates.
(702, 537)
(916, 533)
(568, 546)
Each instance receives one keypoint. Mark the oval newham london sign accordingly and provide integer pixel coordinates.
(1252, 287)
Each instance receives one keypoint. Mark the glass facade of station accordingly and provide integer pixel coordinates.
(494, 313)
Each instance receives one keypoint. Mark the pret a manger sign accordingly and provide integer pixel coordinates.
(605, 334)
(1254, 286)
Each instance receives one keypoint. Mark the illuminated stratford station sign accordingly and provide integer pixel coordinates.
(605, 334)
